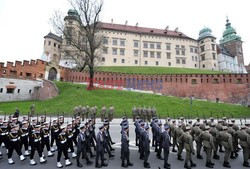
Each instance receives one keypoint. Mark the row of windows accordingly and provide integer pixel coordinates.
(55, 44)
(14, 73)
(151, 54)
(202, 48)
(115, 41)
(203, 56)
(11, 90)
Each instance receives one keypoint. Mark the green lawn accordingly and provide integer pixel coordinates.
(74, 94)
(155, 70)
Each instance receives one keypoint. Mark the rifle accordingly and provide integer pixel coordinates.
(5, 116)
(223, 114)
(217, 117)
(63, 117)
(45, 116)
(245, 119)
(37, 118)
(211, 114)
(50, 121)
(240, 122)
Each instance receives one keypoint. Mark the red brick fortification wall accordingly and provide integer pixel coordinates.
(231, 88)
(26, 70)
(47, 91)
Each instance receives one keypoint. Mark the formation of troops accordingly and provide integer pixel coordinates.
(146, 113)
(29, 135)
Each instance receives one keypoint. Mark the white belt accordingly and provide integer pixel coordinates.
(45, 136)
(36, 140)
(23, 135)
(62, 142)
(70, 136)
(56, 130)
(3, 134)
(14, 140)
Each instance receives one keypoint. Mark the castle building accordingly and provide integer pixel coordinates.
(125, 45)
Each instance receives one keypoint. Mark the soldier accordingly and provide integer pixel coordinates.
(111, 113)
(211, 121)
(81, 147)
(165, 146)
(83, 112)
(103, 113)
(100, 148)
(16, 114)
(134, 113)
(195, 132)
(106, 137)
(233, 133)
(146, 145)
(208, 144)
(197, 121)
(149, 113)
(125, 147)
(35, 142)
(178, 132)
(215, 133)
(158, 145)
(144, 113)
(172, 134)
(236, 128)
(55, 130)
(87, 111)
(63, 147)
(245, 144)
(141, 148)
(153, 112)
(32, 110)
(88, 138)
(227, 143)
(45, 134)
(137, 126)
(219, 127)
(92, 134)
(70, 136)
(224, 122)
(188, 144)
(24, 131)
(61, 120)
(14, 144)
(153, 127)
(4, 131)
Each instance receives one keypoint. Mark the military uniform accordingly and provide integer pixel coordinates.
(172, 134)
(158, 145)
(4, 131)
(45, 134)
(146, 146)
(100, 148)
(70, 136)
(55, 130)
(245, 144)
(195, 132)
(215, 133)
(178, 132)
(233, 133)
(103, 113)
(24, 132)
(165, 146)
(125, 148)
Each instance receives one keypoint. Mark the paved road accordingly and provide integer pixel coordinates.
(116, 162)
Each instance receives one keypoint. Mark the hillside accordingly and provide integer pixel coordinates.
(155, 70)
(75, 94)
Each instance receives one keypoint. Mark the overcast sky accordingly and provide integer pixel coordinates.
(24, 23)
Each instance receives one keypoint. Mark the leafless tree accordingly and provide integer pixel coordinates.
(82, 39)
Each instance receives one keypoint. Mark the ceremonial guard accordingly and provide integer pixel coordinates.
(215, 133)
(178, 132)
(14, 144)
(125, 148)
(45, 134)
(24, 131)
(62, 147)
(195, 132)
(35, 142)
(100, 148)
(4, 131)
(146, 146)
(245, 144)
(55, 130)
(158, 144)
(70, 136)
(165, 146)
(172, 134)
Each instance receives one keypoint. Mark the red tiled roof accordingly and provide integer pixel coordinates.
(143, 30)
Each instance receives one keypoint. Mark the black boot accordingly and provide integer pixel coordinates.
(111, 155)
(124, 165)
(226, 164)
(221, 151)
(187, 166)
(89, 162)
(232, 156)
(174, 151)
(98, 165)
(180, 158)
(130, 164)
(104, 164)
(246, 164)
(209, 165)
(199, 156)
(79, 165)
(192, 164)
(216, 157)
(146, 165)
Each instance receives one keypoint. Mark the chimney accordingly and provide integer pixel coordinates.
(167, 28)
(112, 20)
(136, 24)
(176, 29)
(126, 23)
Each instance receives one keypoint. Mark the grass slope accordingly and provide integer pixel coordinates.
(156, 70)
(75, 94)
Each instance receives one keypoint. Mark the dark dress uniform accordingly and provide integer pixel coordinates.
(4, 131)
(70, 136)
(136, 124)
(100, 148)
(146, 146)
(24, 132)
(125, 148)
(45, 134)
(165, 146)
(158, 145)
(55, 130)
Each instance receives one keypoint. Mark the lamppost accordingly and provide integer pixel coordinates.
(191, 102)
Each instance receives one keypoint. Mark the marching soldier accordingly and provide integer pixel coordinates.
(195, 132)
(87, 111)
(208, 144)
(83, 112)
(227, 143)
(146, 145)
(70, 136)
(149, 114)
(107, 145)
(245, 144)
(111, 113)
(134, 112)
(88, 138)
(55, 130)
(24, 131)
(62, 147)
(144, 113)
(172, 129)
(45, 134)
(137, 126)
(215, 133)
(92, 134)
(188, 144)
(141, 148)
(16, 114)
(32, 110)
(219, 127)
(125, 148)
(81, 146)
(233, 133)
(153, 128)
(4, 131)
(158, 145)
(35, 142)
(178, 132)
(153, 112)
(165, 146)
(100, 148)
(103, 113)
(14, 144)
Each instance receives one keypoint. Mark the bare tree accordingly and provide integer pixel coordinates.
(82, 39)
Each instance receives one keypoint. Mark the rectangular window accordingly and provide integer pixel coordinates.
(105, 40)
(191, 50)
(192, 58)
(168, 55)
(183, 52)
(18, 90)
(182, 46)
(136, 43)
(158, 45)
(114, 51)
(178, 61)
(168, 46)
(145, 45)
(177, 46)
(195, 50)
(183, 61)
(54, 44)
(157, 63)
(214, 56)
(136, 62)
(105, 50)
(145, 54)
(30, 91)
(203, 66)
(195, 65)
(169, 63)
(123, 60)
(136, 52)
(1, 90)
(213, 47)
(158, 54)
(152, 45)
(122, 52)
(10, 91)
(196, 58)
(202, 57)
(114, 41)
(177, 52)
(49, 43)
(103, 59)
(122, 42)
(146, 62)
(114, 60)
(152, 54)
(202, 48)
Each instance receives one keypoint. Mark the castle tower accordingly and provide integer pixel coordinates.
(232, 42)
(52, 48)
(207, 50)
